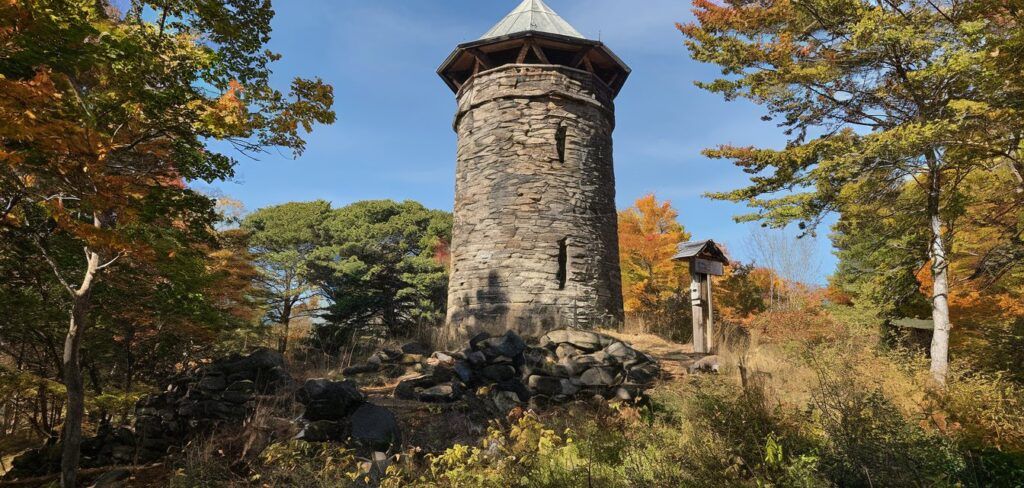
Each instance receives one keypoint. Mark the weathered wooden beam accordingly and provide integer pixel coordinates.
(482, 57)
(522, 52)
(578, 59)
(614, 78)
(540, 54)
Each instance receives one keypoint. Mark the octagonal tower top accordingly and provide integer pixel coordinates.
(533, 34)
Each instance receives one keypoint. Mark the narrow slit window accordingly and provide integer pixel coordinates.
(560, 143)
(563, 262)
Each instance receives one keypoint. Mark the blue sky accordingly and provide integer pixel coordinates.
(394, 139)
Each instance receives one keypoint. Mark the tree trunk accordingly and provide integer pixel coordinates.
(72, 367)
(1017, 169)
(940, 283)
(286, 319)
(286, 312)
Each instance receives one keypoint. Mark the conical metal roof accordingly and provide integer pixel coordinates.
(532, 15)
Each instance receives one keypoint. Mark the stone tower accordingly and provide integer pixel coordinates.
(535, 243)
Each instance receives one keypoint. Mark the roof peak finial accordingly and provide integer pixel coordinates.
(532, 15)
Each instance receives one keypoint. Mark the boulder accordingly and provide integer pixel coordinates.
(569, 388)
(244, 386)
(599, 376)
(476, 358)
(388, 355)
(236, 397)
(550, 386)
(498, 372)
(564, 351)
(474, 343)
(504, 401)
(643, 374)
(580, 339)
(411, 359)
(409, 389)
(587, 361)
(567, 367)
(212, 383)
(509, 345)
(443, 358)
(361, 369)
(707, 364)
(329, 400)
(443, 393)
(375, 427)
(539, 402)
(416, 348)
(464, 372)
(622, 353)
(628, 393)
(515, 386)
(538, 356)
(544, 385)
(324, 431)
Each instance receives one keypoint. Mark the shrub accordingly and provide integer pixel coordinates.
(299, 463)
(985, 411)
(868, 439)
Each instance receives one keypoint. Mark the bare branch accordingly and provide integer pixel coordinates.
(53, 265)
(112, 261)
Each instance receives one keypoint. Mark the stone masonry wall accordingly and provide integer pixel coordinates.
(535, 244)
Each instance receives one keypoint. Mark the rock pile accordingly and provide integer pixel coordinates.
(503, 370)
(564, 365)
(217, 394)
(220, 393)
(110, 446)
(338, 411)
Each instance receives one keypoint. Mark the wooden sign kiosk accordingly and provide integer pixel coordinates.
(706, 260)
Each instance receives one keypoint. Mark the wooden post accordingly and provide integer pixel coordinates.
(697, 307)
(709, 329)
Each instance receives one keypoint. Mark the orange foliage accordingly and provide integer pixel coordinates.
(649, 236)
(969, 305)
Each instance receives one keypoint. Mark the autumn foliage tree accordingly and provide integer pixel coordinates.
(654, 287)
(107, 116)
(883, 265)
(874, 95)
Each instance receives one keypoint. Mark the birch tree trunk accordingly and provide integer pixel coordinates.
(71, 436)
(940, 282)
